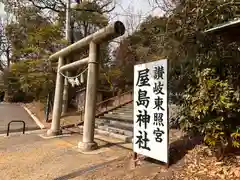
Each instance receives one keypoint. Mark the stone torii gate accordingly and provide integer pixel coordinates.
(93, 41)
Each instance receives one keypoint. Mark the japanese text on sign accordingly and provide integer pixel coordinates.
(150, 110)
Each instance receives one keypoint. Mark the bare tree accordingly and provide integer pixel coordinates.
(60, 5)
(5, 51)
(165, 5)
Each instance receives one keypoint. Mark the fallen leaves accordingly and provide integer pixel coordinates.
(199, 166)
(196, 164)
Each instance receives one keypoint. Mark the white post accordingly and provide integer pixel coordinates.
(57, 106)
(68, 38)
(68, 21)
(88, 143)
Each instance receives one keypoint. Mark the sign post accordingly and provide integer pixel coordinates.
(151, 136)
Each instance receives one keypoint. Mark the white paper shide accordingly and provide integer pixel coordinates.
(151, 110)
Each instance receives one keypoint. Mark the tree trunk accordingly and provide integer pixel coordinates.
(6, 73)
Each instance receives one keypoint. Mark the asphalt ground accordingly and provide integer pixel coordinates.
(11, 112)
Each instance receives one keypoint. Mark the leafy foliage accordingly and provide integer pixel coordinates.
(142, 46)
(32, 38)
(211, 108)
(204, 69)
(34, 35)
(32, 77)
(207, 70)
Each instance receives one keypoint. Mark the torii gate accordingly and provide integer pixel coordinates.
(108, 33)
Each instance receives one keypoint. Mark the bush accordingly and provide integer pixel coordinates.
(30, 79)
(211, 108)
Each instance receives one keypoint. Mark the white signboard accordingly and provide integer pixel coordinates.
(151, 110)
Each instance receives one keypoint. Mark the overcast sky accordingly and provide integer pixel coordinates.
(138, 9)
(1, 9)
(143, 6)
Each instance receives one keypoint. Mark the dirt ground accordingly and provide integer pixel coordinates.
(37, 158)
(193, 166)
(197, 163)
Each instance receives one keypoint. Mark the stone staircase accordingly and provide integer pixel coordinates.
(114, 117)
(117, 123)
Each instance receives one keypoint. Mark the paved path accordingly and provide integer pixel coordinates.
(32, 157)
(9, 112)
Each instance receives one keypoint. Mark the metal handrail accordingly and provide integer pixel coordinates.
(113, 98)
(24, 126)
(113, 108)
(103, 102)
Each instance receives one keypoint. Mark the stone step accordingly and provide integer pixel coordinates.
(120, 125)
(116, 130)
(117, 123)
(125, 108)
(113, 123)
(128, 105)
(120, 113)
(117, 119)
(100, 122)
(119, 116)
(124, 138)
(109, 119)
(123, 111)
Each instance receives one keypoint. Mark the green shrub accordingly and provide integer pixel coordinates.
(211, 108)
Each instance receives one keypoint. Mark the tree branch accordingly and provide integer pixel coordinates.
(52, 7)
(58, 4)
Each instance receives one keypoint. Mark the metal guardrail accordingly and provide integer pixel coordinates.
(114, 98)
(14, 121)
(117, 99)
(105, 104)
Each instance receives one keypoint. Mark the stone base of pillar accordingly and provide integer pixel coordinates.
(87, 146)
(51, 132)
(63, 114)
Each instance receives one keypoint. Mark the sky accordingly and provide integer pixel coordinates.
(134, 11)
(126, 10)
(138, 6)
(1, 9)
